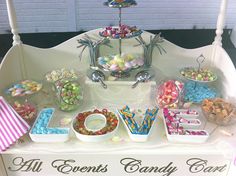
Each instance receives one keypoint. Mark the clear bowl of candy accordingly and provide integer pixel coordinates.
(120, 65)
(69, 94)
(95, 125)
(120, 3)
(63, 73)
(120, 32)
(199, 75)
(23, 95)
(26, 110)
(169, 94)
(219, 111)
(23, 88)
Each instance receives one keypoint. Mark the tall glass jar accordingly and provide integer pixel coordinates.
(22, 96)
(170, 94)
(68, 93)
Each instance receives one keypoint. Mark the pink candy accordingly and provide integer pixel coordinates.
(168, 94)
(188, 132)
(174, 122)
(192, 112)
(123, 31)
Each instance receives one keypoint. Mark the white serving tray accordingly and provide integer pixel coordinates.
(186, 116)
(191, 125)
(187, 138)
(175, 138)
(48, 138)
(137, 137)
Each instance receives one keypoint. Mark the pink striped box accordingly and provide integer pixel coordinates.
(12, 126)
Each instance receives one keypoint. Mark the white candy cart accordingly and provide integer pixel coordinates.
(157, 156)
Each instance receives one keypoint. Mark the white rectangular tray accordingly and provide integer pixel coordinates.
(175, 138)
(50, 138)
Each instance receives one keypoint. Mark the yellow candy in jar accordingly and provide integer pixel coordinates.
(112, 62)
(120, 61)
(121, 65)
(117, 57)
(129, 57)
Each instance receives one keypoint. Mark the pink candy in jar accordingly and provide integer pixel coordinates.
(26, 110)
(169, 94)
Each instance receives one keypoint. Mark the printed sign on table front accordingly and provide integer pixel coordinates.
(108, 165)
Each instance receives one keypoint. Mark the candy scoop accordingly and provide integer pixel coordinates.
(142, 76)
(98, 76)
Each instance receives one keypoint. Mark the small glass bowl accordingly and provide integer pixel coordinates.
(62, 73)
(219, 111)
(23, 88)
(202, 75)
(120, 65)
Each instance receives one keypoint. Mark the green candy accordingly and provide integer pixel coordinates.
(70, 95)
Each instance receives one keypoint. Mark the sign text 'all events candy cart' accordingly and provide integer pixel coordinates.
(127, 166)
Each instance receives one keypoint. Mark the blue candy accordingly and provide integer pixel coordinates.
(40, 126)
(197, 92)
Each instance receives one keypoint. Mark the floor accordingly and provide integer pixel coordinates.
(185, 38)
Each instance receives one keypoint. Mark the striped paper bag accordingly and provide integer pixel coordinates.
(12, 126)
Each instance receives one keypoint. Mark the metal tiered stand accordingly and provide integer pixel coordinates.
(122, 67)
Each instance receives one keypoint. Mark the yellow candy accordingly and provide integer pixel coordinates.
(121, 65)
(129, 57)
(112, 62)
(117, 57)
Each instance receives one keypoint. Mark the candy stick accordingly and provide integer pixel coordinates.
(128, 117)
(148, 121)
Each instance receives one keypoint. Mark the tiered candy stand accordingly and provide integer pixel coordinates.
(157, 156)
(120, 32)
(120, 6)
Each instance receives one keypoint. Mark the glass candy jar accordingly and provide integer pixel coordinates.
(22, 96)
(27, 110)
(169, 94)
(68, 94)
